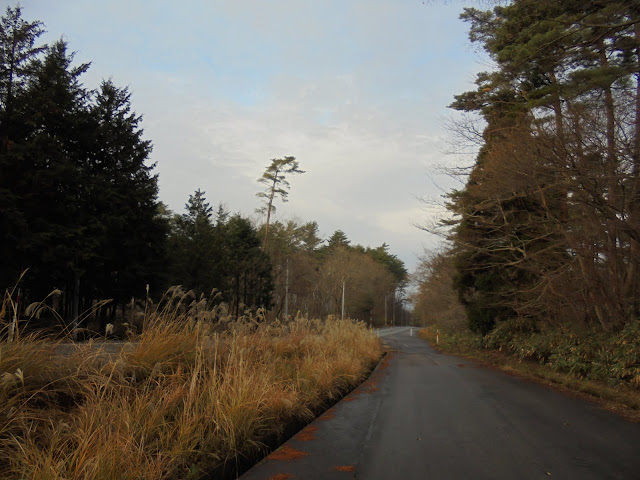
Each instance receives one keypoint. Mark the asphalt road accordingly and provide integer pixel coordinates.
(425, 415)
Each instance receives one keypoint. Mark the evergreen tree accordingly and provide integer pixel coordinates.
(49, 161)
(391, 262)
(121, 200)
(17, 54)
(17, 58)
(275, 180)
(249, 280)
(196, 251)
(224, 255)
(553, 196)
(79, 207)
(338, 239)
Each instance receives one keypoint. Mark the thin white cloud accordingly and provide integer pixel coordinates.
(353, 88)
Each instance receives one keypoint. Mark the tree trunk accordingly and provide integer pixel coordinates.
(269, 207)
(632, 286)
(611, 169)
(559, 122)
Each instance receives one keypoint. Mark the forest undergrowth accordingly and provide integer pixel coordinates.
(604, 366)
(196, 393)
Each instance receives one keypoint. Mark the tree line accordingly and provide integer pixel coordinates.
(373, 280)
(297, 272)
(547, 227)
(79, 208)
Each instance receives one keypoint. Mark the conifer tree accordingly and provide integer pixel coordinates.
(196, 249)
(17, 58)
(121, 198)
(275, 180)
(78, 201)
(553, 198)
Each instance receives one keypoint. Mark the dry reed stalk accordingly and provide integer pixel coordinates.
(189, 396)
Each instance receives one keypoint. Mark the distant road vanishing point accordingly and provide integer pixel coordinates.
(425, 415)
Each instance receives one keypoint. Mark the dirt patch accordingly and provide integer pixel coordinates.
(352, 397)
(371, 385)
(308, 434)
(328, 415)
(281, 476)
(386, 362)
(287, 453)
(345, 468)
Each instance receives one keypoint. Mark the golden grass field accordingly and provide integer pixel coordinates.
(195, 393)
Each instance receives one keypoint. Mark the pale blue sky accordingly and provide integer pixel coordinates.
(355, 89)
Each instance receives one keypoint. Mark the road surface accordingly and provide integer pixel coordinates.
(425, 415)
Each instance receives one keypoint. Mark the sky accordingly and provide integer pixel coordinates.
(356, 90)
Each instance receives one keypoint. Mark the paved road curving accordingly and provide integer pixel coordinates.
(424, 415)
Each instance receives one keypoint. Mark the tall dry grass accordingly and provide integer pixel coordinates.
(194, 393)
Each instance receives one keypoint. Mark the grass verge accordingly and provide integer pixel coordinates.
(622, 399)
(190, 397)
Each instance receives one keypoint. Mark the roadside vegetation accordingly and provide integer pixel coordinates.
(611, 381)
(603, 366)
(542, 260)
(197, 392)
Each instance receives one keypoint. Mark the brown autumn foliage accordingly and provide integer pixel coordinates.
(316, 275)
(436, 302)
(547, 228)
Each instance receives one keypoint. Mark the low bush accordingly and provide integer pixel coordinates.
(610, 357)
(601, 365)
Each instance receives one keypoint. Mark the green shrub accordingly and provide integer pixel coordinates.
(611, 357)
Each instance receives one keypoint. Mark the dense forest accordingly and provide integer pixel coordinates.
(546, 231)
(80, 214)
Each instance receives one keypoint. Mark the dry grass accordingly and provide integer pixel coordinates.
(189, 396)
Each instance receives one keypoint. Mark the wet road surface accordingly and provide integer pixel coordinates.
(425, 415)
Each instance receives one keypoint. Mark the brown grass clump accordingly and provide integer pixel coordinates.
(195, 392)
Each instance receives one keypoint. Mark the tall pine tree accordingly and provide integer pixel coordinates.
(78, 202)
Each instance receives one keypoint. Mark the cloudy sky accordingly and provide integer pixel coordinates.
(356, 90)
